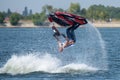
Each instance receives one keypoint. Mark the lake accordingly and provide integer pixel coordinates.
(32, 54)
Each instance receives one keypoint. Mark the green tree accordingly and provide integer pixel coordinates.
(47, 8)
(1, 17)
(74, 8)
(14, 18)
(60, 9)
(113, 12)
(83, 12)
(97, 12)
(39, 18)
(9, 12)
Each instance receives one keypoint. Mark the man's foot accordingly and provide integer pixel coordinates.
(71, 42)
(68, 43)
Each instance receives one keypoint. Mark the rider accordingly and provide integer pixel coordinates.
(67, 19)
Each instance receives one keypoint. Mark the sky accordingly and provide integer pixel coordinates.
(36, 5)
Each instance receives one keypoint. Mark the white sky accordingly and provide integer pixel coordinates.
(36, 5)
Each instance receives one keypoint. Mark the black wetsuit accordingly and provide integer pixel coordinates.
(70, 32)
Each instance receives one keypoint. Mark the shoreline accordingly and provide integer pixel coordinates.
(31, 25)
(105, 24)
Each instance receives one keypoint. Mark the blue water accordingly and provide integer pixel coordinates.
(32, 54)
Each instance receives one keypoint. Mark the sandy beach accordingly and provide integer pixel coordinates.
(29, 24)
(106, 24)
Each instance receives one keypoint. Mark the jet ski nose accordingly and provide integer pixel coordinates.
(50, 16)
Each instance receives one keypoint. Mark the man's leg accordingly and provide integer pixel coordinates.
(71, 35)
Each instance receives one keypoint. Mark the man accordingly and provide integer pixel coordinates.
(67, 19)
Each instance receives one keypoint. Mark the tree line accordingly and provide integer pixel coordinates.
(94, 12)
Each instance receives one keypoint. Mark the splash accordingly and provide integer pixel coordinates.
(30, 63)
(93, 48)
(40, 63)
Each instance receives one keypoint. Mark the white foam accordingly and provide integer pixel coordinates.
(29, 63)
(46, 63)
(73, 68)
